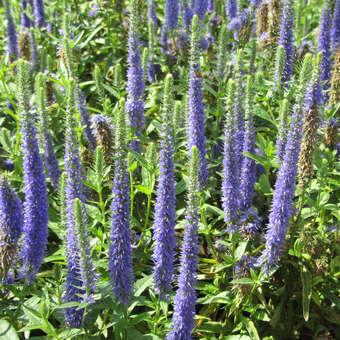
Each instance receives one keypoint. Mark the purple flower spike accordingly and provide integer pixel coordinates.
(11, 223)
(231, 9)
(39, 13)
(254, 4)
(36, 204)
(282, 204)
(12, 39)
(248, 168)
(201, 7)
(230, 181)
(165, 210)
(135, 82)
(120, 253)
(335, 31)
(74, 189)
(196, 116)
(286, 39)
(11, 217)
(325, 44)
(25, 20)
(187, 15)
(238, 109)
(211, 6)
(52, 162)
(185, 298)
(152, 13)
(171, 14)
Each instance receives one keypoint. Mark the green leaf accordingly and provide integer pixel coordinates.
(239, 252)
(111, 90)
(210, 90)
(215, 210)
(135, 319)
(306, 278)
(7, 331)
(140, 159)
(34, 316)
(67, 305)
(264, 114)
(94, 212)
(324, 198)
(54, 258)
(142, 284)
(237, 337)
(264, 184)
(277, 313)
(151, 337)
(212, 327)
(261, 315)
(258, 158)
(143, 189)
(222, 298)
(5, 140)
(180, 187)
(243, 281)
(251, 328)
(92, 35)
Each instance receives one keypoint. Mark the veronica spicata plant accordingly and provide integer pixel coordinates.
(11, 224)
(230, 171)
(286, 40)
(248, 166)
(196, 116)
(120, 253)
(282, 202)
(185, 298)
(39, 13)
(324, 45)
(171, 14)
(135, 81)
(36, 204)
(74, 189)
(165, 217)
(12, 38)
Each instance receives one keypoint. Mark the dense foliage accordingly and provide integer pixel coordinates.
(170, 169)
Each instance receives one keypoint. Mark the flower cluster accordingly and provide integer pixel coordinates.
(74, 189)
(36, 204)
(325, 44)
(165, 217)
(12, 39)
(185, 298)
(196, 116)
(171, 14)
(286, 39)
(11, 224)
(135, 82)
(120, 253)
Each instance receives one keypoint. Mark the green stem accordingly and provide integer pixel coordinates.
(126, 318)
(147, 212)
(158, 307)
(206, 227)
(131, 195)
(102, 204)
(146, 220)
